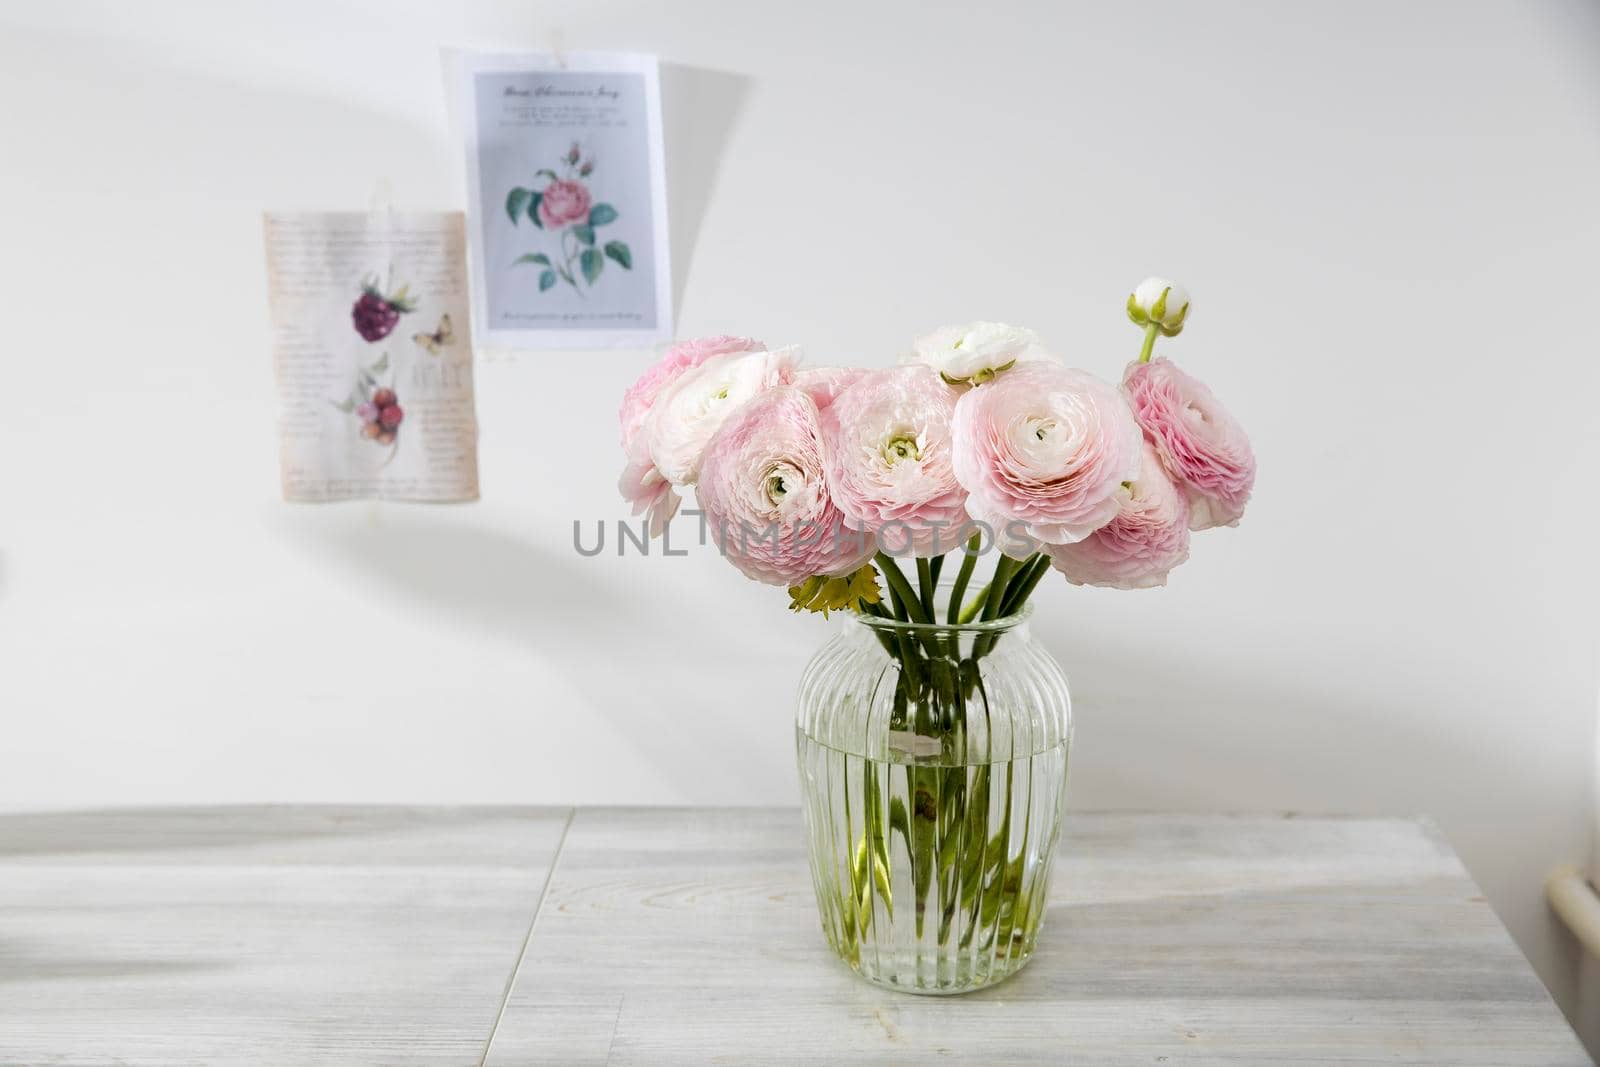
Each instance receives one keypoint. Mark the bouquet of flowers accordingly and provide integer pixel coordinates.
(822, 480)
(932, 737)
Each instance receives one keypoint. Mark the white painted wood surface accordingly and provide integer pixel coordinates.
(389, 936)
(690, 937)
(274, 936)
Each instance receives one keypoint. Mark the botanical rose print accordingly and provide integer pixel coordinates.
(684, 355)
(891, 467)
(1135, 550)
(689, 410)
(975, 353)
(763, 488)
(564, 202)
(824, 384)
(1200, 444)
(565, 206)
(1047, 449)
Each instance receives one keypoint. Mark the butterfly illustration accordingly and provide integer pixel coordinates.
(438, 339)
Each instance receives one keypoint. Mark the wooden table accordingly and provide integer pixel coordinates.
(670, 936)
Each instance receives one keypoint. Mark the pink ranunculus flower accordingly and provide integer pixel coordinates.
(684, 355)
(824, 384)
(1135, 550)
(641, 485)
(891, 466)
(564, 201)
(1042, 451)
(1201, 445)
(688, 412)
(764, 491)
(651, 495)
(977, 352)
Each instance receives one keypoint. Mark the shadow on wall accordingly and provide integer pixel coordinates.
(699, 110)
(631, 656)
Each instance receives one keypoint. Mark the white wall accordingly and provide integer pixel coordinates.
(1387, 213)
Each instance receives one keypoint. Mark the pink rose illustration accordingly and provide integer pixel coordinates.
(566, 209)
(563, 202)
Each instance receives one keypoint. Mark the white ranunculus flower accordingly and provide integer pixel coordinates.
(691, 409)
(1162, 301)
(975, 353)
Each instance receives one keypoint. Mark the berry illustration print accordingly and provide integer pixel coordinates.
(564, 208)
(375, 313)
(376, 407)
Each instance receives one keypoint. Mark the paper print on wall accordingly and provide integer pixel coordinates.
(374, 384)
(568, 199)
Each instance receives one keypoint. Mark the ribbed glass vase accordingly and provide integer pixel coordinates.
(933, 766)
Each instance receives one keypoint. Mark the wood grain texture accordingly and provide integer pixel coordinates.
(264, 935)
(691, 937)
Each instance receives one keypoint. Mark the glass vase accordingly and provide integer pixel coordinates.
(933, 768)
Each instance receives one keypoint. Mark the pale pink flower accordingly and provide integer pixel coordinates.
(562, 202)
(641, 395)
(763, 488)
(641, 485)
(688, 411)
(651, 495)
(824, 384)
(977, 352)
(1201, 445)
(891, 469)
(1135, 550)
(1042, 451)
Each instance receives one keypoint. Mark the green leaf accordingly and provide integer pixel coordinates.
(517, 202)
(533, 210)
(584, 233)
(546, 172)
(601, 214)
(546, 280)
(592, 262)
(380, 366)
(619, 252)
(346, 406)
(532, 257)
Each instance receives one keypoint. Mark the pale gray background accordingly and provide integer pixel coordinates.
(1388, 216)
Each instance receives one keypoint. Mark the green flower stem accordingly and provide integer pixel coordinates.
(925, 580)
(1150, 333)
(969, 560)
(1026, 581)
(935, 565)
(900, 587)
(888, 643)
(910, 676)
(1003, 571)
(971, 610)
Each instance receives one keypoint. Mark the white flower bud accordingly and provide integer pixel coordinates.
(1160, 301)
